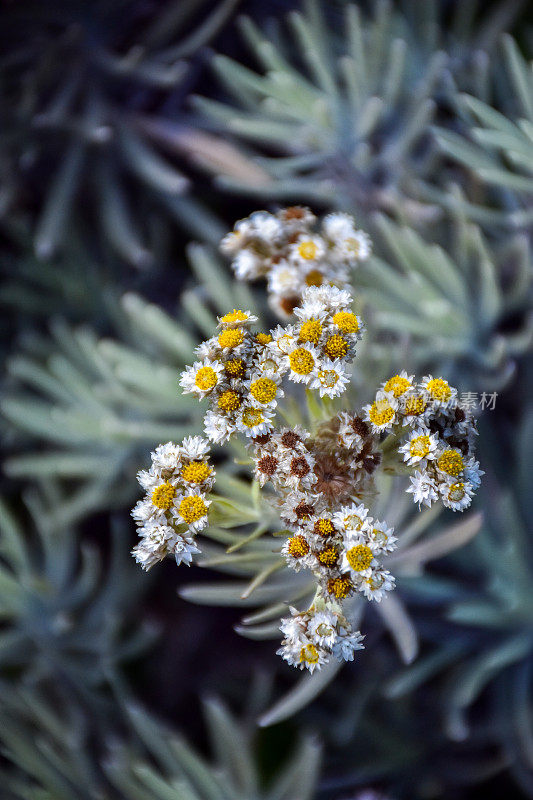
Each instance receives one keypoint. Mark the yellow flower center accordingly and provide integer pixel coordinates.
(379, 536)
(310, 331)
(359, 557)
(324, 527)
(328, 377)
(346, 321)
(375, 582)
(419, 447)
(307, 250)
(263, 390)
(353, 522)
(451, 462)
(234, 367)
(314, 278)
(298, 546)
(263, 338)
(231, 338)
(414, 406)
(163, 495)
(381, 413)
(196, 472)
(285, 342)
(206, 378)
(234, 316)
(309, 654)
(268, 365)
(252, 417)
(229, 401)
(439, 389)
(456, 492)
(328, 557)
(398, 385)
(192, 508)
(340, 587)
(353, 245)
(336, 346)
(301, 361)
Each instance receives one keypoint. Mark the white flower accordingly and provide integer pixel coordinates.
(184, 550)
(254, 421)
(166, 457)
(420, 447)
(266, 226)
(201, 378)
(236, 319)
(195, 447)
(346, 645)
(217, 427)
(143, 510)
(232, 242)
(331, 379)
(379, 537)
(293, 627)
(303, 654)
(399, 385)
(422, 488)
(149, 478)
(350, 519)
(376, 585)
(247, 265)
(283, 340)
(308, 248)
(456, 496)
(326, 298)
(381, 414)
(302, 363)
(283, 279)
(291, 555)
(438, 390)
(472, 473)
(298, 469)
(322, 628)
(191, 510)
(157, 541)
(355, 247)
(338, 226)
(264, 390)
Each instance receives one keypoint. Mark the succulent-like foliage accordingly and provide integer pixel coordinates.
(344, 129)
(497, 145)
(346, 121)
(63, 616)
(98, 404)
(244, 532)
(50, 756)
(462, 301)
(87, 79)
(491, 654)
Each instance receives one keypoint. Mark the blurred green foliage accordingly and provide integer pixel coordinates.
(417, 118)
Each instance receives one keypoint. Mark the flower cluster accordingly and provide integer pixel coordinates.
(239, 376)
(175, 506)
(311, 637)
(291, 254)
(317, 349)
(321, 484)
(318, 484)
(241, 372)
(439, 438)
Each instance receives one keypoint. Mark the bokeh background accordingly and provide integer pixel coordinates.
(134, 133)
